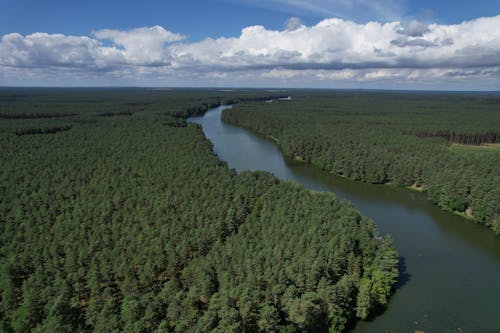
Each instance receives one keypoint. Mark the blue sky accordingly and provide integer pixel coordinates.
(199, 19)
(109, 47)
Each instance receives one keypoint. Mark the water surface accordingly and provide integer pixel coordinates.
(450, 279)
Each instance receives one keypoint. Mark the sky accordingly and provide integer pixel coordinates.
(372, 44)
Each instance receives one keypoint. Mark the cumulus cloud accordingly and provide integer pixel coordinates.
(414, 29)
(42, 50)
(332, 49)
(142, 45)
(337, 44)
(293, 23)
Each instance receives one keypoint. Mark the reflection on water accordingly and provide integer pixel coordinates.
(450, 267)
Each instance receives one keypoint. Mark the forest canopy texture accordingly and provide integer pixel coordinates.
(444, 144)
(115, 215)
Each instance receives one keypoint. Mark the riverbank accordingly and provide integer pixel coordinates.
(448, 266)
(370, 287)
(345, 138)
(421, 188)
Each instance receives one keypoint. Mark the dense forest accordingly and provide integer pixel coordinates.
(115, 215)
(445, 144)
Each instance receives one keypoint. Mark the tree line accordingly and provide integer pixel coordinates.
(462, 138)
(399, 138)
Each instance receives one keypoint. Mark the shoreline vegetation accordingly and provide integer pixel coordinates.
(467, 214)
(357, 136)
(130, 222)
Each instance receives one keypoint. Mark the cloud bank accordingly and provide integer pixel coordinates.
(334, 50)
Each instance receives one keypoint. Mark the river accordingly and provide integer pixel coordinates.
(450, 267)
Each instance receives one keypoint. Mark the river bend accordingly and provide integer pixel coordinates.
(450, 267)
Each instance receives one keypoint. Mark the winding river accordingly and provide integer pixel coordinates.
(450, 267)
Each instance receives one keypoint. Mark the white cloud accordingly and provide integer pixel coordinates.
(414, 29)
(336, 44)
(142, 45)
(293, 23)
(45, 50)
(334, 49)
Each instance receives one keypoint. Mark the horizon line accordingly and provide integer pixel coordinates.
(245, 88)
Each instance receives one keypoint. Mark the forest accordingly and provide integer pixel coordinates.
(444, 144)
(117, 216)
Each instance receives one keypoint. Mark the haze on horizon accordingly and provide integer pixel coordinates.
(325, 44)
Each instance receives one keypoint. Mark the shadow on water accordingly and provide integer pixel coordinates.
(404, 276)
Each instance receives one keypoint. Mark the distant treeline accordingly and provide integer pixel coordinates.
(132, 224)
(35, 115)
(382, 138)
(43, 130)
(199, 110)
(462, 138)
(115, 114)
